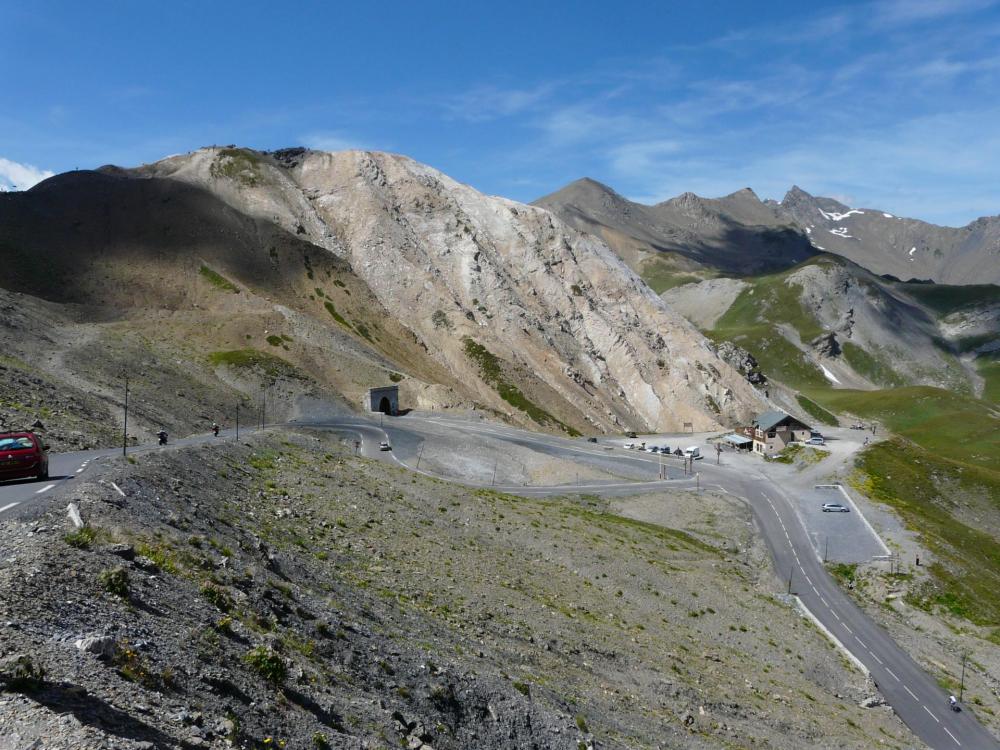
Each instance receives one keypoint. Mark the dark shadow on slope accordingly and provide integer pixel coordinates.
(94, 712)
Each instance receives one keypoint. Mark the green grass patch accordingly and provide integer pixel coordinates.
(252, 359)
(873, 368)
(238, 164)
(218, 280)
(336, 316)
(989, 369)
(492, 372)
(752, 322)
(945, 299)
(923, 488)
(950, 425)
(816, 411)
(843, 572)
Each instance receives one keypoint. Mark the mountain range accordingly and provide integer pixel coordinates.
(741, 234)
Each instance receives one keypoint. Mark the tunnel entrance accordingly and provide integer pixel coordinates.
(384, 400)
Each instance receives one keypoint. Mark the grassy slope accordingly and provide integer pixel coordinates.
(949, 446)
(946, 459)
(944, 299)
(751, 322)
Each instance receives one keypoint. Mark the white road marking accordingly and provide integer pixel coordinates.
(46, 488)
(809, 580)
(911, 693)
(875, 657)
(848, 630)
(814, 590)
(80, 470)
(835, 614)
(861, 642)
(892, 673)
(8, 506)
(932, 715)
(953, 737)
(824, 602)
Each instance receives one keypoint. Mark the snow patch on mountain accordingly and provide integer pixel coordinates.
(829, 375)
(834, 216)
(841, 232)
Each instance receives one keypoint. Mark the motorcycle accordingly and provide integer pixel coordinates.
(162, 435)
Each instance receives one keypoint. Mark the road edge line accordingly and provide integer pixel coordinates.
(833, 639)
(854, 505)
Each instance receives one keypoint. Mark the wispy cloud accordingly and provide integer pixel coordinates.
(911, 11)
(488, 102)
(331, 141)
(17, 176)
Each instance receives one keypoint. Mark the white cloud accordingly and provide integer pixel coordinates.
(14, 175)
(331, 141)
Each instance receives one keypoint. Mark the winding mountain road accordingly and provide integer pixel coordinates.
(913, 694)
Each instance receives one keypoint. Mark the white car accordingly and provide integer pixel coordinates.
(835, 508)
(816, 439)
(384, 446)
(630, 446)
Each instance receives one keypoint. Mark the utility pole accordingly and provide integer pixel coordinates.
(237, 421)
(494, 479)
(790, 571)
(826, 549)
(697, 478)
(961, 686)
(125, 426)
(419, 454)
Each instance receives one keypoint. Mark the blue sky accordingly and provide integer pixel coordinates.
(893, 104)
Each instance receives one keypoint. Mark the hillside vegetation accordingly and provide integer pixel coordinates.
(283, 592)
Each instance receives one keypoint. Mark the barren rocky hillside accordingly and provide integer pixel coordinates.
(530, 316)
(285, 593)
(852, 328)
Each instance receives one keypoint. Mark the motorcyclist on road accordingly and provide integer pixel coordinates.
(953, 702)
(162, 435)
(215, 429)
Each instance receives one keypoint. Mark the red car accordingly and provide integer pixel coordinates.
(22, 455)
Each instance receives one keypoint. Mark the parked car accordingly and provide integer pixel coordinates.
(591, 440)
(816, 440)
(384, 446)
(652, 449)
(23, 455)
(630, 434)
(630, 446)
(693, 452)
(835, 508)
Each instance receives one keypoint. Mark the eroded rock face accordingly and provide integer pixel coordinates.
(571, 326)
(743, 361)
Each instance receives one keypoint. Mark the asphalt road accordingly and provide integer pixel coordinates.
(913, 694)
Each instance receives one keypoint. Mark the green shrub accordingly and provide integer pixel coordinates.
(218, 280)
(268, 664)
(216, 595)
(26, 676)
(82, 538)
(115, 581)
(523, 688)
